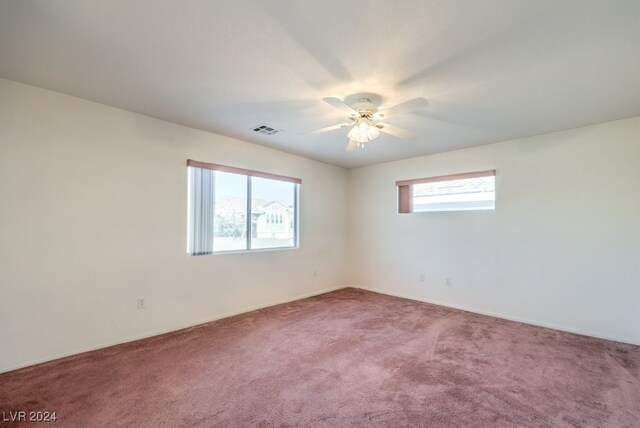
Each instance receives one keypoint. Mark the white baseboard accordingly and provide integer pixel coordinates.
(500, 315)
(159, 332)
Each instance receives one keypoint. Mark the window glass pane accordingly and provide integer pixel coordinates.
(230, 212)
(455, 195)
(273, 213)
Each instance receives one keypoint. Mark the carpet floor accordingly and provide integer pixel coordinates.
(346, 358)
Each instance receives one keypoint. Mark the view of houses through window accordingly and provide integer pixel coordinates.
(477, 193)
(273, 213)
(235, 209)
(467, 191)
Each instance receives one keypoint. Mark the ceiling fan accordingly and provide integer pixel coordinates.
(364, 118)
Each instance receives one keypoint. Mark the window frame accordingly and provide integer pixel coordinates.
(249, 174)
(405, 189)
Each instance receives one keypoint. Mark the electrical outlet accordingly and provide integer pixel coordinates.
(422, 277)
(141, 303)
(447, 282)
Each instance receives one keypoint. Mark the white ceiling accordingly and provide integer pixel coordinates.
(492, 70)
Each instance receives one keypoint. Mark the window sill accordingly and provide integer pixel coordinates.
(257, 250)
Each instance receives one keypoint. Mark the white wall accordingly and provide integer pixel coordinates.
(93, 215)
(561, 249)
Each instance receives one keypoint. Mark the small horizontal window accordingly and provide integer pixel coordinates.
(459, 192)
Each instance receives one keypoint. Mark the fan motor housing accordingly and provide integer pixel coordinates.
(364, 103)
(364, 106)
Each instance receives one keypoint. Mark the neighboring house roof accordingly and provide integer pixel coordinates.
(276, 203)
(235, 203)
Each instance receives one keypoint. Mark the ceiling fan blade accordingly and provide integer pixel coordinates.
(327, 128)
(337, 103)
(406, 107)
(353, 144)
(395, 131)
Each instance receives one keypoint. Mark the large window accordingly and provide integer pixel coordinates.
(458, 192)
(233, 209)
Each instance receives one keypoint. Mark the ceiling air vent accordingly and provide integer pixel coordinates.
(266, 130)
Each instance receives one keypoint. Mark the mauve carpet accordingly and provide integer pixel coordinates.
(347, 358)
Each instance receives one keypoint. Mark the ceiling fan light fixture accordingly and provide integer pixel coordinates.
(363, 131)
(372, 132)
